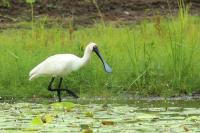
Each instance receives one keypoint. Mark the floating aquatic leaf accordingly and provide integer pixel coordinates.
(37, 121)
(189, 111)
(87, 130)
(29, 129)
(47, 118)
(115, 118)
(107, 122)
(84, 126)
(89, 114)
(63, 105)
(186, 128)
(105, 106)
(194, 118)
(68, 104)
(143, 116)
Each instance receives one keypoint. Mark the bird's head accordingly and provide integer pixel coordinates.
(93, 48)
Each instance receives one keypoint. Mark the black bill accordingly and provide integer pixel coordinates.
(107, 68)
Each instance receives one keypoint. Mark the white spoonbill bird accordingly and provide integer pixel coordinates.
(60, 65)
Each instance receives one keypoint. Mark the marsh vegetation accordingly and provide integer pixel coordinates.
(156, 58)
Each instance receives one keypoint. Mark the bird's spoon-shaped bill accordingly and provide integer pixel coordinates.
(107, 68)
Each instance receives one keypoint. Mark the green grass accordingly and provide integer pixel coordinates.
(155, 58)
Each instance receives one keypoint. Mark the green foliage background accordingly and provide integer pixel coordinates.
(154, 58)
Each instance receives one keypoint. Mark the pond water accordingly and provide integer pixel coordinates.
(101, 117)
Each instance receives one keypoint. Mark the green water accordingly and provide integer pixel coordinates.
(131, 116)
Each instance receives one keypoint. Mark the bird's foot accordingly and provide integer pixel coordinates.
(71, 93)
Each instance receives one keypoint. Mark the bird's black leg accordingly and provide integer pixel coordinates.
(71, 93)
(50, 88)
(50, 84)
(59, 90)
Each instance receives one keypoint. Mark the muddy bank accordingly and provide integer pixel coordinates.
(86, 12)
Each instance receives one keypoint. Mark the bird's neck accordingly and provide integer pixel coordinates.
(86, 57)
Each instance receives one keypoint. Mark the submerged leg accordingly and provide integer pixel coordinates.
(59, 89)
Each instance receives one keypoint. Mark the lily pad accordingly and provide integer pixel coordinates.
(193, 118)
(144, 116)
(107, 122)
(29, 117)
(84, 126)
(37, 121)
(87, 130)
(89, 114)
(47, 118)
(63, 105)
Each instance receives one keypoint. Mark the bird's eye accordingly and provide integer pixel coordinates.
(94, 48)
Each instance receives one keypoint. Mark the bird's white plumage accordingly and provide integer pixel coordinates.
(61, 64)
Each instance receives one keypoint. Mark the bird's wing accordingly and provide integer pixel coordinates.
(60, 64)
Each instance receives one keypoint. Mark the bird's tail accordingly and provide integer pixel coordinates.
(34, 73)
(33, 77)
